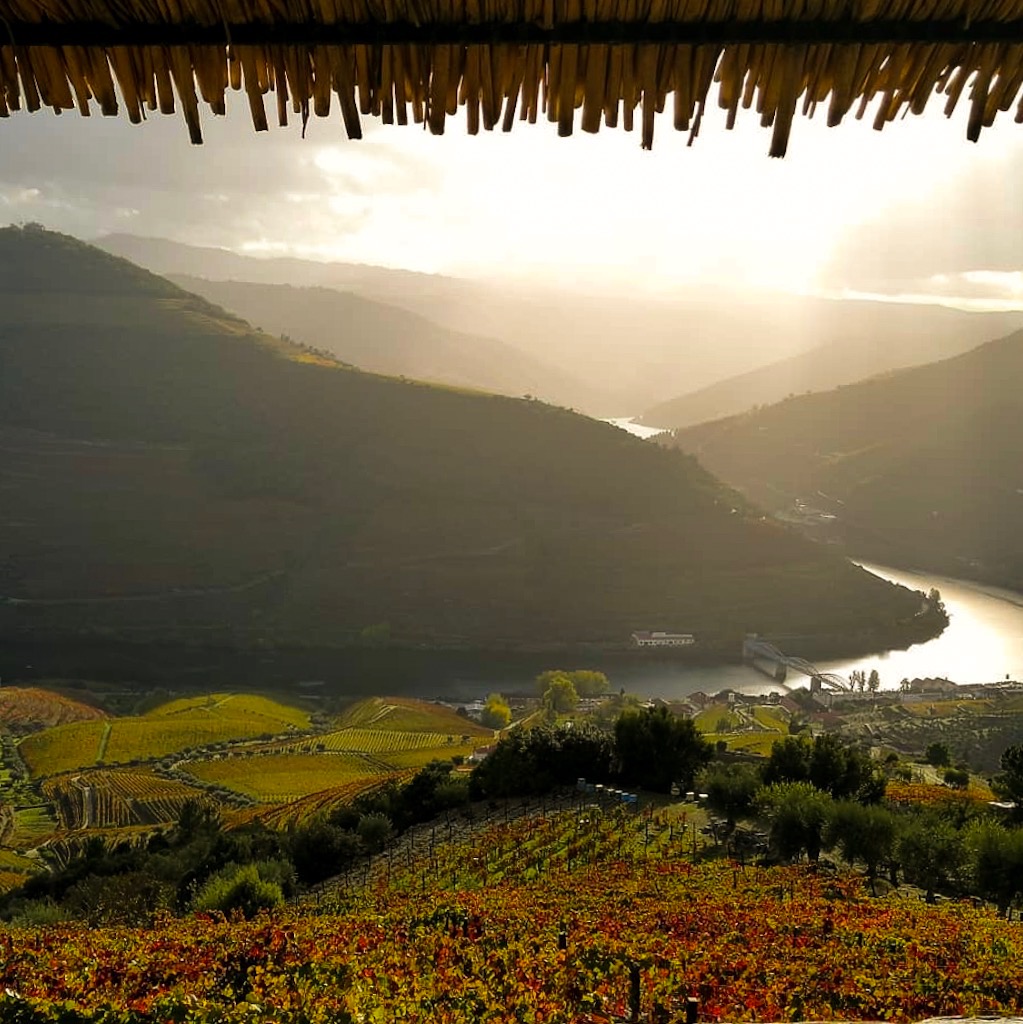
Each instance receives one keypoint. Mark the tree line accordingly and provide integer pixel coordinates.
(823, 795)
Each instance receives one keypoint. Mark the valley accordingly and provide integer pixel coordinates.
(918, 467)
(170, 476)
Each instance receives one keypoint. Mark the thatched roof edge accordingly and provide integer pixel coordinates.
(611, 33)
(576, 62)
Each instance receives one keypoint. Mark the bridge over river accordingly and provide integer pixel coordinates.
(767, 658)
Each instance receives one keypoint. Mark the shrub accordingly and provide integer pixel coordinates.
(239, 889)
(37, 913)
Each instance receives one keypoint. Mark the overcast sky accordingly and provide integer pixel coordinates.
(915, 209)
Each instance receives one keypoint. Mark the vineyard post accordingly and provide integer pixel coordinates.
(692, 1010)
(634, 992)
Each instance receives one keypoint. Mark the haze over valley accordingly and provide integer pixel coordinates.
(606, 355)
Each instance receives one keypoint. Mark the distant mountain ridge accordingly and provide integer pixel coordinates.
(627, 352)
(385, 339)
(921, 467)
(903, 336)
(169, 475)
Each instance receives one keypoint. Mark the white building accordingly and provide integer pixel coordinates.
(658, 638)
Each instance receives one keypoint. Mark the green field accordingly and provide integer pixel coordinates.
(281, 778)
(750, 742)
(285, 815)
(177, 726)
(11, 861)
(770, 718)
(31, 826)
(405, 759)
(753, 730)
(383, 742)
(62, 748)
(404, 715)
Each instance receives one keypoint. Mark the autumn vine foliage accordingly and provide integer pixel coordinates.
(512, 925)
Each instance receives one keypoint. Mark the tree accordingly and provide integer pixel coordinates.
(560, 694)
(196, 818)
(798, 814)
(534, 761)
(931, 853)
(874, 681)
(731, 790)
(587, 682)
(827, 763)
(862, 834)
(789, 760)
(1010, 783)
(996, 862)
(957, 778)
(320, 849)
(656, 748)
(938, 754)
(496, 713)
(544, 679)
(239, 889)
(375, 830)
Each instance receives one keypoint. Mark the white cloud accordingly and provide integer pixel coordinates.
(848, 208)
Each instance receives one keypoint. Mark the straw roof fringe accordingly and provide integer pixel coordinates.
(585, 62)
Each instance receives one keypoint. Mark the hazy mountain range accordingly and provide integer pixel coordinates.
(880, 337)
(922, 467)
(604, 354)
(168, 473)
(386, 339)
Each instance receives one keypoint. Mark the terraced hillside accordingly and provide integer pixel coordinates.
(172, 728)
(392, 737)
(29, 708)
(117, 799)
(246, 756)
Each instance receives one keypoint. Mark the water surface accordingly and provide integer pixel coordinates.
(983, 643)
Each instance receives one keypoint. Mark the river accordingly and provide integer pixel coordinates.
(627, 424)
(983, 643)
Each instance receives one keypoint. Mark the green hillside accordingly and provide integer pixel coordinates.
(921, 467)
(170, 728)
(170, 474)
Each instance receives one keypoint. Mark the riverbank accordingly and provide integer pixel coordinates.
(464, 674)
